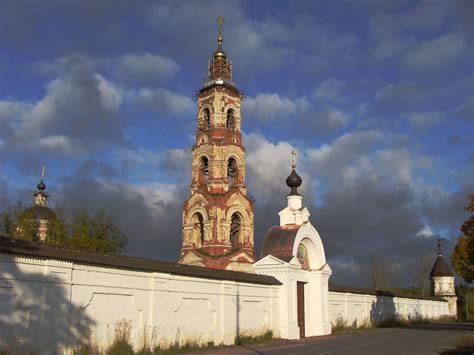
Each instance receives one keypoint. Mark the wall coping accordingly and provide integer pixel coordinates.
(23, 247)
(365, 291)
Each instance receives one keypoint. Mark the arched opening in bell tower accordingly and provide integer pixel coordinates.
(235, 230)
(198, 230)
(232, 172)
(203, 170)
(230, 119)
(206, 116)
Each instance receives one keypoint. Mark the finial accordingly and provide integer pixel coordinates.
(220, 21)
(440, 240)
(293, 181)
(41, 186)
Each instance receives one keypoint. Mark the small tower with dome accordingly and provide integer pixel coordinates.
(39, 211)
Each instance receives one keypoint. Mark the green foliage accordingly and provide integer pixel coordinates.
(96, 233)
(465, 302)
(8, 225)
(252, 339)
(77, 229)
(463, 254)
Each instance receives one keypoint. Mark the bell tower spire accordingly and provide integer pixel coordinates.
(218, 215)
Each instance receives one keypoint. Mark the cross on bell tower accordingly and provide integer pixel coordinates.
(218, 215)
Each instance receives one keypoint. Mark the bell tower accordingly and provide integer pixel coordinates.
(218, 215)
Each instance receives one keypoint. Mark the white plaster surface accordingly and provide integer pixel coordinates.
(360, 309)
(48, 305)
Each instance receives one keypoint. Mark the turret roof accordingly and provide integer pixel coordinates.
(440, 268)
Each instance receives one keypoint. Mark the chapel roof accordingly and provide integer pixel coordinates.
(279, 241)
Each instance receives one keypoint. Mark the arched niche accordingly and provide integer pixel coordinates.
(197, 221)
(203, 170)
(205, 121)
(235, 230)
(308, 239)
(233, 177)
(230, 119)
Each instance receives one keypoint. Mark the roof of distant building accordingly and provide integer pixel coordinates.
(22, 247)
(440, 268)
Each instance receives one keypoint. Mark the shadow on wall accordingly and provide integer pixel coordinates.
(36, 314)
(383, 308)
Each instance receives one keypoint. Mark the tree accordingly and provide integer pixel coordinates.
(463, 254)
(97, 233)
(377, 274)
(57, 233)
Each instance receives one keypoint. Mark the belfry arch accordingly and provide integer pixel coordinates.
(198, 229)
(235, 231)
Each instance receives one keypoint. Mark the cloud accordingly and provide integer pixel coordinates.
(268, 107)
(466, 110)
(145, 69)
(441, 53)
(424, 120)
(162, 101)
(79, 112)
(330, 90)
(398, 96)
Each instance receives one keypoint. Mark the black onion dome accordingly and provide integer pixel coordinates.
(41, 186)
(294, 181)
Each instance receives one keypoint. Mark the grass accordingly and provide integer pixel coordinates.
(254, 340)
(342, 326)
(121, 344)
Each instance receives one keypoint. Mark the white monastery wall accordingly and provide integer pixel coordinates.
(48, 304)
(360, 309)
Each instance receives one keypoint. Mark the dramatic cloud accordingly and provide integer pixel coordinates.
(77, 113)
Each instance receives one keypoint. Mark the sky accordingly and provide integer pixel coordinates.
(376, 98)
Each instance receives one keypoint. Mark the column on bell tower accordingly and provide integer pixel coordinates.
(218, 215)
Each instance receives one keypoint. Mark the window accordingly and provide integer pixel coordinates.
(230, 119)
(203, 170)
(232, 172)
(235, 230)
(198, 230)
